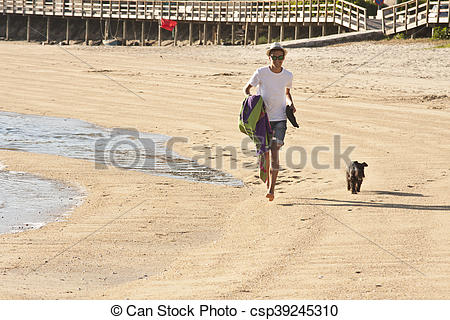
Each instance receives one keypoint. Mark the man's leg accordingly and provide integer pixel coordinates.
(275, 165)
(279, 128)
(267, 158)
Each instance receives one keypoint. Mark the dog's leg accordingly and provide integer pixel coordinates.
(358, 189)
(354, 185)
(348, 184)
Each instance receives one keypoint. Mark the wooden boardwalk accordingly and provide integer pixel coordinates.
(412, 14)
(260, 12)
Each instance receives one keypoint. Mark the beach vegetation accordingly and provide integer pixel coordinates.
(262, 39)
(400, 36)
(441, 33)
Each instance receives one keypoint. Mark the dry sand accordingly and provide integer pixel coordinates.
(140, 236)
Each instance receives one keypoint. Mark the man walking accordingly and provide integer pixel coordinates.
(274, 86)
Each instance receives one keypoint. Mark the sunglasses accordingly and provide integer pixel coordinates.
(274, 58)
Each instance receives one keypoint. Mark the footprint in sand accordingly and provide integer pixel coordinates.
(249, 165)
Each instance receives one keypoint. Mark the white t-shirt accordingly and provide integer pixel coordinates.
(272, 87)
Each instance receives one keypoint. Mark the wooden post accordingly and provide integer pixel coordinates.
(107, 22)
(417, 13)
(199, 34)
(175, 36)
(276, 11)
(124, 32)
(324, 29)
(318, 12)
(67, 30)
(48, 30)
(246, 34)
(406, 17)
(357, 19)
(214, 34)
(310, 11)
(365, 19)
(28, 28)
(86, 32)
(289, 12)
(263, 13)
(256, 34)
(310, 31)
(349, 17)
(269, 33)
(190, 33)
(270, 9)
(159, 33)
(439, 11)
(296, 32)
(7, 28)
(143, 32)
(204, 34)
(282, 32)
(334, 11)
(339, 29)
(233, 34)
(303, 12)
(395, 20)
(219, 39)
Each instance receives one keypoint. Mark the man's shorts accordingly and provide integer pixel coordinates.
(279, 131)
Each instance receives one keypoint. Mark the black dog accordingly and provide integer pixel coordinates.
(355, 175)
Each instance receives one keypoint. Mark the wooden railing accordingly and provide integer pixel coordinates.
(309, 11)
(414, 13)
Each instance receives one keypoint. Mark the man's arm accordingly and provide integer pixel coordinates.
(288, 95)
(247, 89)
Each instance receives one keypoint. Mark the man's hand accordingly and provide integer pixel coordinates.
(247, 90)
(293, 108)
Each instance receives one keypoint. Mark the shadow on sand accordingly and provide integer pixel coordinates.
(371, 204)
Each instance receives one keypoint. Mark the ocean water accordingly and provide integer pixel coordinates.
(28, 201)
(123, 148)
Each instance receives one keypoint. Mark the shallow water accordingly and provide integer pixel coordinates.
(28, 201)
(124, 148)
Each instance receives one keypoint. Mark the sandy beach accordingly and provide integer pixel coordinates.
(141, 236)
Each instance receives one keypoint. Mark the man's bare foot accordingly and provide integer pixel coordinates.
(270, 194)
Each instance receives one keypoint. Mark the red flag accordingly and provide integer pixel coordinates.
(168, 24)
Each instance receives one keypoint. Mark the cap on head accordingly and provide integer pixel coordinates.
(276, 46)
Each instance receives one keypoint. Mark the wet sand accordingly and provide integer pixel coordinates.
(141, 236)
